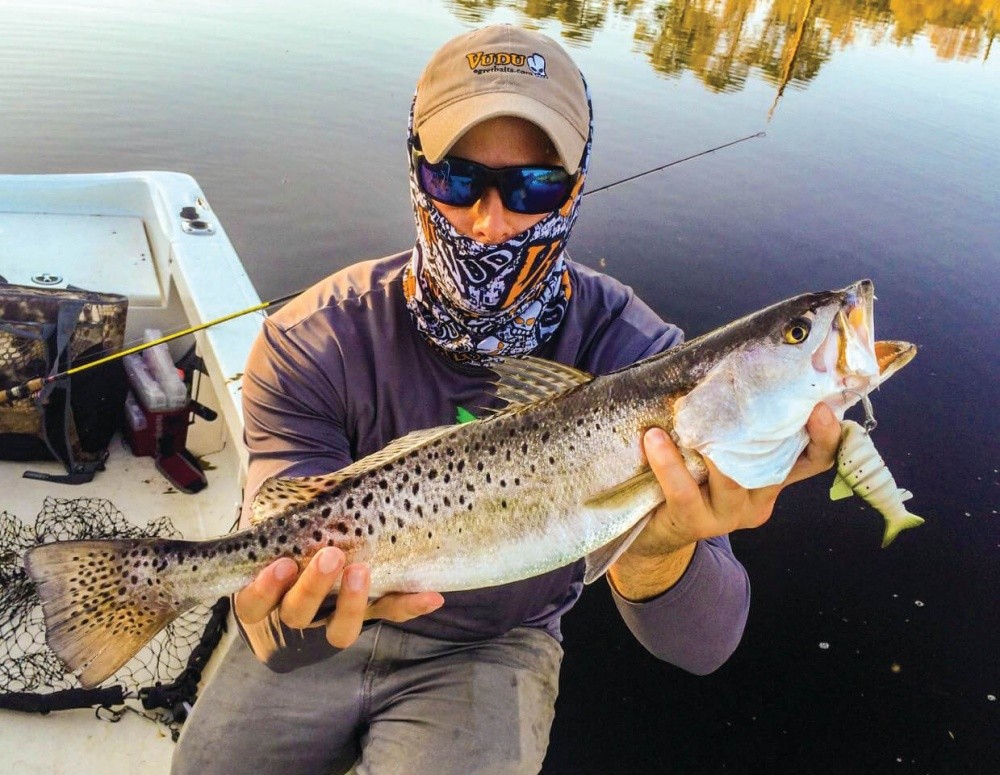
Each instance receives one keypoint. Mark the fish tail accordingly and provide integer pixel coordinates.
(103, 600)
(895, 524)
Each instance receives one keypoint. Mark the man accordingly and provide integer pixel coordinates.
(499, 144)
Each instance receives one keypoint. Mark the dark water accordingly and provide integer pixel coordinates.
(880, 160)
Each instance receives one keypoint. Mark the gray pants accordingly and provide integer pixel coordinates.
(392, 703)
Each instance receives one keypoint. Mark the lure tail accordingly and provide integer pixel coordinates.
(896, 523)
(103, 600)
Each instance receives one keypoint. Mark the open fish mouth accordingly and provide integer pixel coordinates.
(857, 363)
(892, 356)
(848, 354)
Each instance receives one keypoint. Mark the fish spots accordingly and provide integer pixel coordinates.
(546, 436)
(327, 510)
(416, 487)
(367, 500)
(349, 503)
(317, 536)
(383, 484)
(262, 540)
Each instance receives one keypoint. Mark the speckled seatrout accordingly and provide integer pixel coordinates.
(557, 475)
(861, 471)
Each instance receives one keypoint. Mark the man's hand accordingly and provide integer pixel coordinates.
(298, 597)
(693, 512)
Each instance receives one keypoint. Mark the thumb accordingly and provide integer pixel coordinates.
(668, 467)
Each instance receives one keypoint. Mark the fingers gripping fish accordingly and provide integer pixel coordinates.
(557, 476)
(861, 471)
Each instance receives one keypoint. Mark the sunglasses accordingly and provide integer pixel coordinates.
(529, 190)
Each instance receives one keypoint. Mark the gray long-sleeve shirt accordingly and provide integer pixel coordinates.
(340, 372)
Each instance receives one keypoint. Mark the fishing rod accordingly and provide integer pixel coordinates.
(32, 386)
(675, 163)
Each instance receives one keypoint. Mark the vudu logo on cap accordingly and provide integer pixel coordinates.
(509, 62)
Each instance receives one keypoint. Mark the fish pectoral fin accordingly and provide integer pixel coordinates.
(623, 495)
(840, 489)
(639, 494)
(904, 495)
(601, 559)
(525, 381)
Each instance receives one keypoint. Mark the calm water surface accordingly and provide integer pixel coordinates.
(880, 160)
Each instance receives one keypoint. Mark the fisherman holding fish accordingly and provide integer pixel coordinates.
(499, 146)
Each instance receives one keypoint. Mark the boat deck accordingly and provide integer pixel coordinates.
(75, 741)
(154, 237)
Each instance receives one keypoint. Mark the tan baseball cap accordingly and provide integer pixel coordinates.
(502, 70)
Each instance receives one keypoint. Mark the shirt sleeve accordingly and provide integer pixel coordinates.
(697, 623)
(293, 411)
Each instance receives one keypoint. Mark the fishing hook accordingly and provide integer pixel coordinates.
(870, 422)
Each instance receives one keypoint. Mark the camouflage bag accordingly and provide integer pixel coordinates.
(44, 332)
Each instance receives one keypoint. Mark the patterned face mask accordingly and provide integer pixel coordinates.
(477, 301)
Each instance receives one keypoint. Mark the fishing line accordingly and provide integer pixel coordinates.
(870, 422)
(32, 386)
(675, 163)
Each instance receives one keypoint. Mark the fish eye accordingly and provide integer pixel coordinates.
(797, 330)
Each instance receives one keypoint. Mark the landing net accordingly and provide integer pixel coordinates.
(164, 675)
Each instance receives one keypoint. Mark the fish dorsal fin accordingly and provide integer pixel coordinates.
(278, 492)
(527, 380)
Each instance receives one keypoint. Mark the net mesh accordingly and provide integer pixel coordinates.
(26, 662)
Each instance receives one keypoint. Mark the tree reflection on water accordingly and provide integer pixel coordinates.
(787, 41)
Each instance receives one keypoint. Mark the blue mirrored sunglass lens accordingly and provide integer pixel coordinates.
(529, 190)
(536, 190)
(449, 184)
